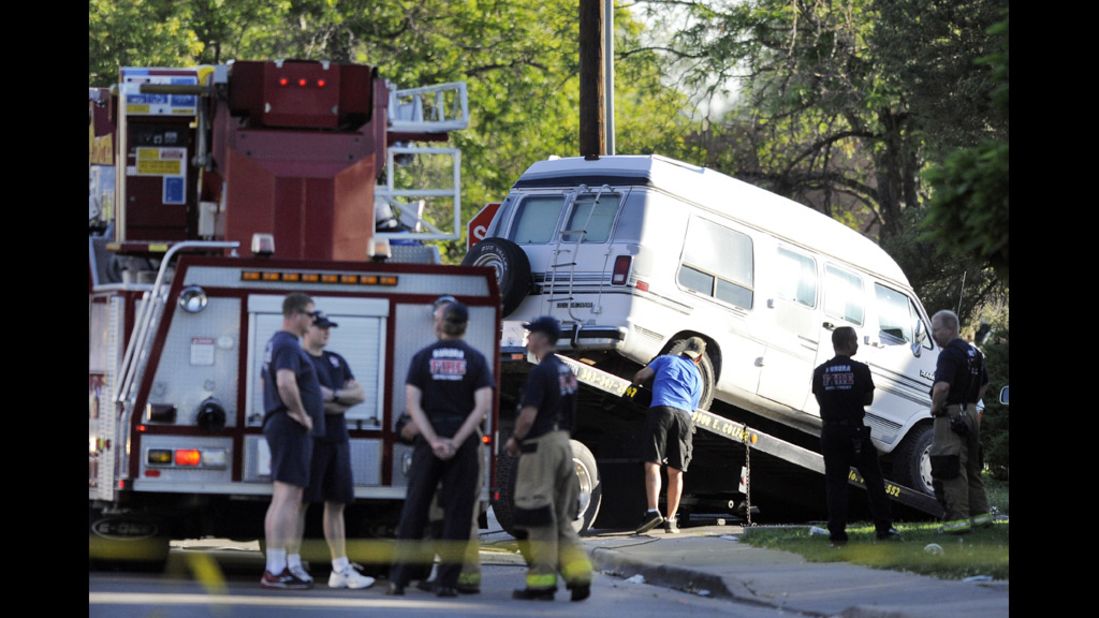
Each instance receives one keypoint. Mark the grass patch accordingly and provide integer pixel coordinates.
(997, 492)
(981, 552)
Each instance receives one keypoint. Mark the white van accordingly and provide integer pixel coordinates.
(634, 254)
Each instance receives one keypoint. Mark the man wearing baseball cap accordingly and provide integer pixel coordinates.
(330, 479)
(546, 488)
(448, 392)
(677, 389)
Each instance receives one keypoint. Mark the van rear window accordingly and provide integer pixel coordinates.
(536, 219)
(596, 219)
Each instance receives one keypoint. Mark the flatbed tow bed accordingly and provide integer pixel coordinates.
(638, 397)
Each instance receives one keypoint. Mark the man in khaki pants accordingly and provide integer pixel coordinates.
(960, 381)
(546, 488)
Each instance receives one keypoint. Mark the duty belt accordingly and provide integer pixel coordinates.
(960, 407)
(846, 422)
(528, 445)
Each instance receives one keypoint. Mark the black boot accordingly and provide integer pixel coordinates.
(534, 594)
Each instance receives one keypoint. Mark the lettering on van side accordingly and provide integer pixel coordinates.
(575, 305)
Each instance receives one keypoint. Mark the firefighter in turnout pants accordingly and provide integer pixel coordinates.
(546, 488)
(960, 381)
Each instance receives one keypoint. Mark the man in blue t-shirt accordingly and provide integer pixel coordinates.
(677, 389)
(293, 415)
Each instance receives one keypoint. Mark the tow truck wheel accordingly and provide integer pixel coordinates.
(587, 474)
(591, 487)
(912, 459)
(511, 265)
(503, 497)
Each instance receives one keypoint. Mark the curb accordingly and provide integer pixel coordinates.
(612, 562)
(708, 585)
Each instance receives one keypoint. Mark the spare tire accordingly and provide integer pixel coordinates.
(511, 265)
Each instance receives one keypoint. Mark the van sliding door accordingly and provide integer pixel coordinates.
(795, 330)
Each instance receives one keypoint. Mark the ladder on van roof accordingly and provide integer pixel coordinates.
(555, 265)
(750, 438)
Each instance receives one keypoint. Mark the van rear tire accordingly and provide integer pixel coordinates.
(706, 368)
(512, 269)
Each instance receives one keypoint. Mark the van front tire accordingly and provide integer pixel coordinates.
(911, 460)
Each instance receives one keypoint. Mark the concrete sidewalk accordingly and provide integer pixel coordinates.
(711, 561)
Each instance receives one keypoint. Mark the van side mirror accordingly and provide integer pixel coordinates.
(920, 337)
(1003, 395)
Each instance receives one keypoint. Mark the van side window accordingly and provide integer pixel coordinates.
(895, 320)
(536, 219)
(717, 261)
(843, 295)
(797, 277)
(597, 219)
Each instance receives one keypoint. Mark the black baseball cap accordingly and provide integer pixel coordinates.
(456, 313)
(545, 324)
(444, 299)
(322, 321)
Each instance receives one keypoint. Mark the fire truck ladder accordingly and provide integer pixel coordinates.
(140, 345)
(750, 438)
(420, 113)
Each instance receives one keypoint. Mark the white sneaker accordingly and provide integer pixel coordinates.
(300, 572)
(350, 578)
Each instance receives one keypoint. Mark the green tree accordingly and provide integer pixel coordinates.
(837, 100)
(969, 207)
(520, 62)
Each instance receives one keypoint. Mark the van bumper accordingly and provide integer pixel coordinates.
(591, 338)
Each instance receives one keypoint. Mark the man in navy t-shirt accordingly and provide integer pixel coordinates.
(960, 382)
(677, 390)
(448, 393)
(546, 487)
(843, 387)
(330, 478)
(293, 414)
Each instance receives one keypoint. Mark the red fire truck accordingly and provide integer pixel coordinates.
(214, 192)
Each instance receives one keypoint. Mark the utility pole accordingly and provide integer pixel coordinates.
(608, 71)
(591, 79)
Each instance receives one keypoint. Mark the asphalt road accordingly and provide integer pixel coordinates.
(231, 574)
